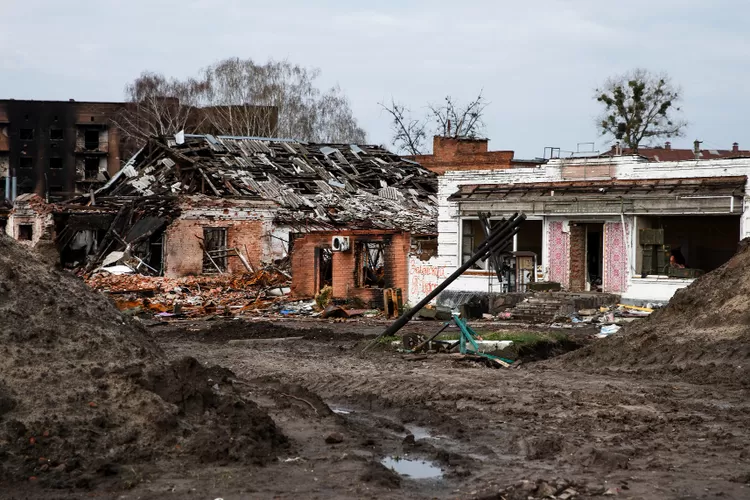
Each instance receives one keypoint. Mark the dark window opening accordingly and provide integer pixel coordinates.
(92, 118)
(25, 185)
(25, 232)
(55, 118)
(91, 168)
(91, 140)
(529, 238)
(685, 246)
(214, 250)
(26, 163)
(371, 260)
(56, 134)
(55, 163)
(26, 134)
(3, 224)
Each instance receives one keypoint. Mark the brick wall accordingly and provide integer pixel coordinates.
(183, 254)
(577, 258)
(305, 269)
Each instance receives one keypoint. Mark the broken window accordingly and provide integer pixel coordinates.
(91, 140)
(214, 250)
(685, 246)
(371, 259)
(25, 163)
(26, 134)
(25, 232)
(472, 235)
(55, 163)
(91, 168)
(55, 134)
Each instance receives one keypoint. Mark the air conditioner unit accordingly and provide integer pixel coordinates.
(340, 244)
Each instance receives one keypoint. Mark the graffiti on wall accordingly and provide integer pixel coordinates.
(423, 278)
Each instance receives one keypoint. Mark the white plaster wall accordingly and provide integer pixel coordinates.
(654, 289)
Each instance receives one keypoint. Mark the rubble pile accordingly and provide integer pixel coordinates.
(702, 335)
(192, 296)
(86, 396)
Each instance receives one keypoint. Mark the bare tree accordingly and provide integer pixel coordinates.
(450, 119)
(158, 106)
(240, 97)
(304, 112)
(409, 134)
(454, 120)
(639, 105)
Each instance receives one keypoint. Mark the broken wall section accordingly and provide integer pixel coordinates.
(351, 276)
(240, 227)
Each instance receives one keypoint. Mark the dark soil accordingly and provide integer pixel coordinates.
(541, 350)
(701, 336)
(221, 331)
(85, 392)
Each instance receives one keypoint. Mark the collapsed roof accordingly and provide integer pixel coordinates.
(314, 185)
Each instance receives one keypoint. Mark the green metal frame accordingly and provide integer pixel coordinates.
(467, 341)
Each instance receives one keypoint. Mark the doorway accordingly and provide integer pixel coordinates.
(586, 256)
(324, 265)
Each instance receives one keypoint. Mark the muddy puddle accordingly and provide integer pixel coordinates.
(413, 468)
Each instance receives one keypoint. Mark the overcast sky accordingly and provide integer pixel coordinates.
(537, 61)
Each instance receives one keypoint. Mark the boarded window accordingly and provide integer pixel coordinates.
(25, 232)
(214, 250)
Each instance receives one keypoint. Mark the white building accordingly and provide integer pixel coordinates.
(591, 223)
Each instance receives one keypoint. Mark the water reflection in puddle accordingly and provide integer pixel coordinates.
(415, 469)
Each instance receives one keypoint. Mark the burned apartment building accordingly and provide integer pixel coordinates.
(342, 215)
(57, 148)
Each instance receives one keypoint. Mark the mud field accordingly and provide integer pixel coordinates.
(530, 432)
(97, 405)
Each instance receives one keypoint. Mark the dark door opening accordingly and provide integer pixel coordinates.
(586, 256)
(595, 256)
(324, 264)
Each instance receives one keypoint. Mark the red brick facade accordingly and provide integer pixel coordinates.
(306, 270)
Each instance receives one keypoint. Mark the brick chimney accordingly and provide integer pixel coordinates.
(697, 148)
(447, 148)
(667, 145)
(735, 148)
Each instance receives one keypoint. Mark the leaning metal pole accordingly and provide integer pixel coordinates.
(498, 238)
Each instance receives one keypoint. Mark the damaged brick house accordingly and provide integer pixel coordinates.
(601, 223)
(343, 215)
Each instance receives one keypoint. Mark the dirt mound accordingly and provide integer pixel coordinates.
(84, 391)
(702, 335)
(224, 330)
